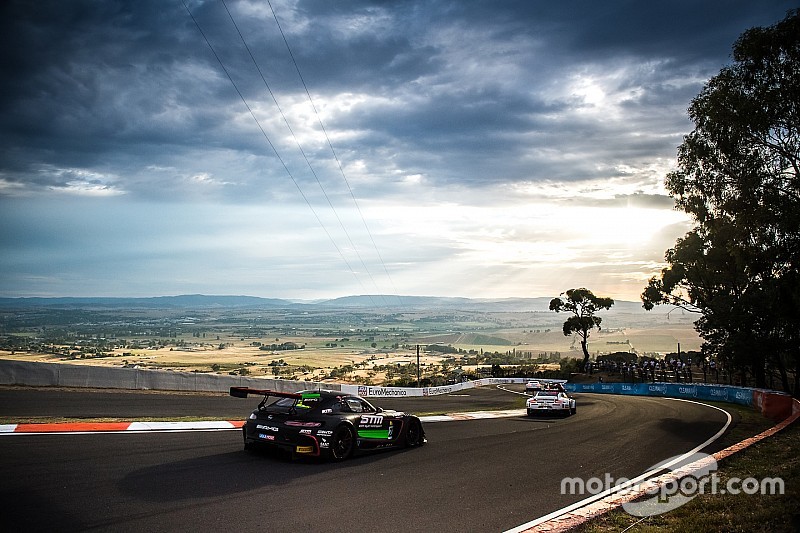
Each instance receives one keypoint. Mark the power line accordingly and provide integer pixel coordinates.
(269, 142)
(336, 158)
(299, 147)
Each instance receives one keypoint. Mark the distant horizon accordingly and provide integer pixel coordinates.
(420, 296)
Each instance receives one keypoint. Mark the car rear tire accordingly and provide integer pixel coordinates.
(248, 446)
(342, 443)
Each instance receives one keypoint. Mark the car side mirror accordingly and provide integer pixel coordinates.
(379, 409)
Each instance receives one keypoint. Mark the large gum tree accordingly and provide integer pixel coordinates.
(738, 176)
(583, 305)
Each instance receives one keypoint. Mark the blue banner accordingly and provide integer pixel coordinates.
(689, 391)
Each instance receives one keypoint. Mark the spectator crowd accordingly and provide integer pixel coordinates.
(670, 369)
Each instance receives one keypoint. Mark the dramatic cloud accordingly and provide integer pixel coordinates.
(469, 148)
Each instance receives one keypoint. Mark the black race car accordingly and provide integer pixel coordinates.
(326, 423)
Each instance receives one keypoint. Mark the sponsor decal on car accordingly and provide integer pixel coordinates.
(371, 421)
(304, 449)
(268, 428)
(325, 432)
(374, 433)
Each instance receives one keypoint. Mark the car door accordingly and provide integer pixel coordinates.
(375, 428)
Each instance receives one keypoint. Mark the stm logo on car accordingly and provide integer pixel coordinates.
(371, 420)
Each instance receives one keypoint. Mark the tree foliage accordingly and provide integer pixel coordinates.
(738, 176)
(583, 305)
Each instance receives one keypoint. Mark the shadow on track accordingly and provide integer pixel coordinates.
(234, 472)
(694, 431)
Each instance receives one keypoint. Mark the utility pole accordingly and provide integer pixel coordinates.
(417, 365)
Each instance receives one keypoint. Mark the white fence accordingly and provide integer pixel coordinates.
(368, 391)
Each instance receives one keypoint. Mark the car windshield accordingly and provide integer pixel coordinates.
(355, 404)
(549, 394)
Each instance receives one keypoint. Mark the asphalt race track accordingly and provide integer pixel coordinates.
(477, 475)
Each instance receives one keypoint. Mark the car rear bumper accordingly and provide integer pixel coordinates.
(533, 411)
(301, 444)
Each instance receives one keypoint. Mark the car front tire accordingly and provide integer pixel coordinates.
(414, 434)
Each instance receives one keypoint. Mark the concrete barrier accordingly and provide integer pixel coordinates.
(720, 393)
(103, 377)
(33, 374)
(773, 405)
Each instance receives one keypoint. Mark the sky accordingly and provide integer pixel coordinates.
(313, 149)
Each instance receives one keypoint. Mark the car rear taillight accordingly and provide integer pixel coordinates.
(299, 424)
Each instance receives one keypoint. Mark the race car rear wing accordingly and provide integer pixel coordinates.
(242, 392)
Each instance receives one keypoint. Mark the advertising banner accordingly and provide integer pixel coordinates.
(719, 393)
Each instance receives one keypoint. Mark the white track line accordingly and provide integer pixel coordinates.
(632, 482)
